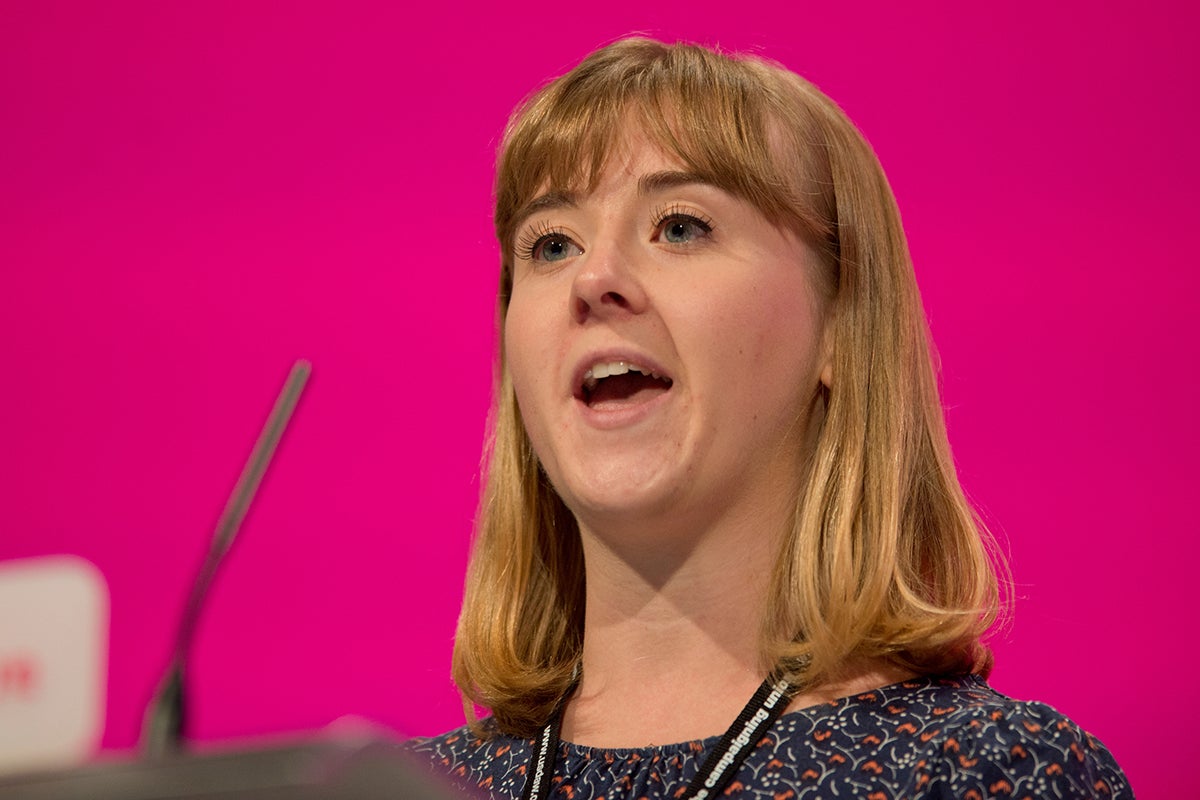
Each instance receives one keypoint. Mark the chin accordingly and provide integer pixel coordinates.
(641, 498)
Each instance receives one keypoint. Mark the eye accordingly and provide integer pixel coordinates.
(546, 244)
(553, 247)
(679, 227)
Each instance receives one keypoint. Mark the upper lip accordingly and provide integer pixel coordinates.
(633, 358)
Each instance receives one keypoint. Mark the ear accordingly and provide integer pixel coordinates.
(827, 336)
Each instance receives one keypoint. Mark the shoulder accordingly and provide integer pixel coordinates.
(940, 737)
(486, 763)
(983, 743)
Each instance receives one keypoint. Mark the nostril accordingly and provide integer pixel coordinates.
(600, 285)
(610, 299)
(582, 309)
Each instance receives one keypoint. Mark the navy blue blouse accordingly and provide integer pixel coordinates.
(924, 738)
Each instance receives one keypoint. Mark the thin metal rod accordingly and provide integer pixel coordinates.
(165, 717)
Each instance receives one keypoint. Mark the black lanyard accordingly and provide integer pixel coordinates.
(717, 770)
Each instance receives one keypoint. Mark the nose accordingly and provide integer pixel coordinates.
(607, 285)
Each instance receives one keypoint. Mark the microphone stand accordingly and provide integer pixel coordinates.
(166, 715)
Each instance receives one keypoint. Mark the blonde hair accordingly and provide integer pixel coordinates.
(885, 558)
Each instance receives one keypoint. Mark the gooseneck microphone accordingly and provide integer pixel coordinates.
(163, 727)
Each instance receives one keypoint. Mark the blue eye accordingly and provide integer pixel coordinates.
(553, 247)
(676, 228)
(546, 244)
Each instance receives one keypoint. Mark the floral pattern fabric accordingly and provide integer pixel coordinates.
(925, 738)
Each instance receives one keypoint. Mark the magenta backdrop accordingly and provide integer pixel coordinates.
(194, 195)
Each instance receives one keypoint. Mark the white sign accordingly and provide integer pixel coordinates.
(53, 661)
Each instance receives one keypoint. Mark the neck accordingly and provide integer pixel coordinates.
(671, 648)
(671, 643)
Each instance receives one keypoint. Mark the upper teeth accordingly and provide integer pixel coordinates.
(606, 369)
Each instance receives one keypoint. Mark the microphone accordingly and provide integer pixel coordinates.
(166, 714)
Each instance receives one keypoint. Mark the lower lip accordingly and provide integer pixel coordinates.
(623, 415)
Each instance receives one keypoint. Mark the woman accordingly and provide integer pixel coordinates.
(720, 472)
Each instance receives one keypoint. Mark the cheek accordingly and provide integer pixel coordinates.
(527, 353)
(516, 357)
(520, 338)
(767, 339)
(774, 314)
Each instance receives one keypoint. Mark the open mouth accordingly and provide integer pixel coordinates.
(615, 383)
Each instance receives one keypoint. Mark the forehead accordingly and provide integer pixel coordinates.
(633, 160)
(630, 149)
(635, 148)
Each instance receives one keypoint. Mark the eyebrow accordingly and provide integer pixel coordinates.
(670, 179)
(543, 202)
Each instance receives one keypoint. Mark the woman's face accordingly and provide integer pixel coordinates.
(704, 317)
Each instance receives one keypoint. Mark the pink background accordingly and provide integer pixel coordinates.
(194, 195)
